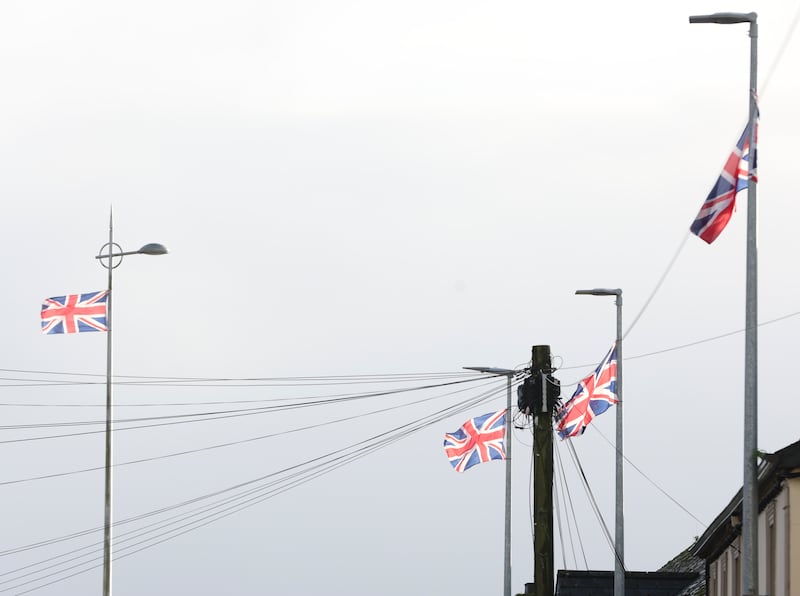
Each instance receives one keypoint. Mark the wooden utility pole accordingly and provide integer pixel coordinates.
(542, 413)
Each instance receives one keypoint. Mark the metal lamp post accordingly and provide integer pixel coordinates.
(619, 525)
(750, 484)
(509, 374)
(106, 260)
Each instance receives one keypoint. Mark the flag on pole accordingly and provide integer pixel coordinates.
(479, 440)
(718, 206)
(75, 313)
(594, 395)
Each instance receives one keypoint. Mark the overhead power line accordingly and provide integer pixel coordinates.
(297, 381)
(239, 441)
(687, 345)
(293, 476)
(302, 402)
(223, 415)
(249, 381)
(650, 480)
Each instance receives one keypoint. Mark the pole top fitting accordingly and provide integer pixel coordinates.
(725, 18)
(600, 292)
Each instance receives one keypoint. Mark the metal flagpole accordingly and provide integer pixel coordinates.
(507, 541)
(107, 261)
(107, 519)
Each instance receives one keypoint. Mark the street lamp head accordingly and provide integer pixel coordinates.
(153, 249)
(600, 292)
(491, 370)
(725, 18)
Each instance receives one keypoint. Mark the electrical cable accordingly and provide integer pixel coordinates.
(232, 443)
(457, 375)
(305, 381)
(784, 44)
(566, 491)
(320, 378)
(592, 500)
(196, 524)
(690, 344)
(702, 341)
(557, 509)
(658, 285)
(173, 423)
(451, 409)
(650, 480)
(419, 424)
(770, 72)
(396, 438)
(530, 498)
(258, 410)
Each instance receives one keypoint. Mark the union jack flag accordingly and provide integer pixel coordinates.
(478, 440)
(75, 313)
(594, 395)
(718, 206)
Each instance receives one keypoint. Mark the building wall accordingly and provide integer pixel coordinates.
(793, 546)
(782, 539)
(778, 562)
(773, 546)
(722, 573)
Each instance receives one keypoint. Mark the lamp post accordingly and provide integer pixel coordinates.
(619, 523)
(750, 484)
(509, 374)
(110, 247)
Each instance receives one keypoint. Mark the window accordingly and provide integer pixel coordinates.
(772, 545)
(712, 579)
(723, 580)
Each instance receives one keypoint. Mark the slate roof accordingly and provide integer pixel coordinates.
(637, 583)
(686, 562)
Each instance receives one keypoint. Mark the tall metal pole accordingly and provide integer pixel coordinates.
(507, 541)
(147, 249)
(619, 511)
(750, 484)
(509, 374)
(750, 487)
(619, 534)
(107, 518)
(542, 477)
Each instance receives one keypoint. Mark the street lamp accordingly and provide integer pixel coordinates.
(110, 255)
(724, 18)
(750, 484)
(619, 525)
(509, 374)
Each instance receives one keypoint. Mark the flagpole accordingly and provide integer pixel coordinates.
(619, 510)
(507, 535)
(147, 249)
(107, 518)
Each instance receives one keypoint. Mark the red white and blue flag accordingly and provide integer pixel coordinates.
(718, 207)
(478, 440)
(594, 395)
(75, 313)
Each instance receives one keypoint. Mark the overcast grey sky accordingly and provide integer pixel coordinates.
(371, 187)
